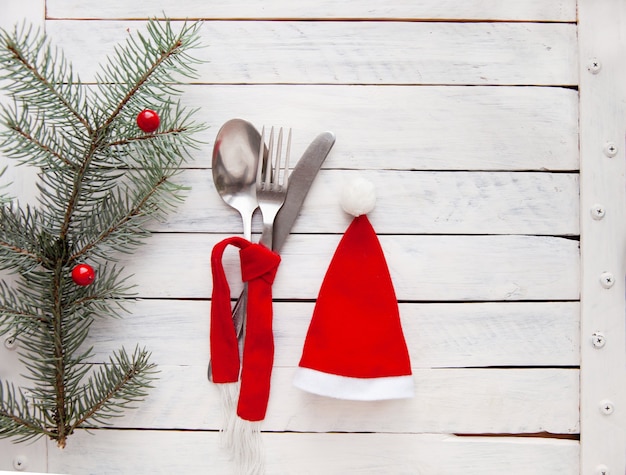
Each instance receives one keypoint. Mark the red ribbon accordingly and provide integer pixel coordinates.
(258, 267)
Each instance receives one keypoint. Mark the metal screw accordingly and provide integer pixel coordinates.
(607, 280)
(594, 66)
(607, 407)
(597, 212)
(598, 340)
(10, 343)
(610, 149)
(602, 470)
(20, 462)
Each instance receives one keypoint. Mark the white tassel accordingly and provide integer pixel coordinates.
(229, 395)
(247, 450)
(240, 437)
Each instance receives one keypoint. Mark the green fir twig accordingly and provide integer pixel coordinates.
(102, 181)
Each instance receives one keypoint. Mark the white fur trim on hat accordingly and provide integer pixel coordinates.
(359, 389)
(358, 197)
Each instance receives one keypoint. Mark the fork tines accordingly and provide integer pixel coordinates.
(269, 178)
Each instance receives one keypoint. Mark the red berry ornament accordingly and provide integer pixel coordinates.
(148, 120)
(83, 274)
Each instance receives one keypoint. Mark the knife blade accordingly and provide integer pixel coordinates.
(300, 181)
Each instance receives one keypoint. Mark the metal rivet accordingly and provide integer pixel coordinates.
(607, 407)
(10, 343)
(20, 462)
(610, 149)
(602, 470)
(598, 212)
(607, 280)
(598, 339)
(594, 66)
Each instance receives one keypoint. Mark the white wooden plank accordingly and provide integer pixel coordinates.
(465, 401)
(30, 456)
(303, 52)
(411, 128)
(436, 128)
(527, 10)
(602, 93)
(439, 202)
(167, 452)
(437, 335)
(424, 268)
(12, 13)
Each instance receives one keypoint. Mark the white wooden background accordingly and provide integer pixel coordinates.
(484, 126)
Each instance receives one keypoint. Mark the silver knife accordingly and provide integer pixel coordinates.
(300, 181)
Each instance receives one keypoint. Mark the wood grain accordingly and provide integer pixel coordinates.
(466, 116)
(407, 128)
(602, 243)
(387, 53)
(524, 10)
(466, 401)
(424, 268)
(438, 335)
(406, 203)
(32, 457)
(167, 452)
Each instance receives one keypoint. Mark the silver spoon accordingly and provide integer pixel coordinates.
(235, 163)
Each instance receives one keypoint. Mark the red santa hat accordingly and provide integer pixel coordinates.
(355, 347)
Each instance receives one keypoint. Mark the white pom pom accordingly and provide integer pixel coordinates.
(358, 197)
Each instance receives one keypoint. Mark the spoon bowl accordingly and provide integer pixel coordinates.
(234, 166)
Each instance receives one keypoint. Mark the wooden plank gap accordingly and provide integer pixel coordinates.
(542, 435)
(311, 19)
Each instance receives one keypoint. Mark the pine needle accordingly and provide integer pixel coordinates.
(102, 181)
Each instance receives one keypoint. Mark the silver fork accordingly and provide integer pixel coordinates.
(272, 182)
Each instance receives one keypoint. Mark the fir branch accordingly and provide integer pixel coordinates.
(164, 52)
(142, 80)
(19, 245)
(16, 316)
(116, 386)
(17, 419)
(43, 147)
(35, 68)
(19, 251)
(105, 296)
(18, 319)
(161, 54)
(32, 140)
(139, 138)
(76, 189)
(100, 182)
(110, 231)
(59, 356)
(169, 56)
(169, 146)
(4, 197)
